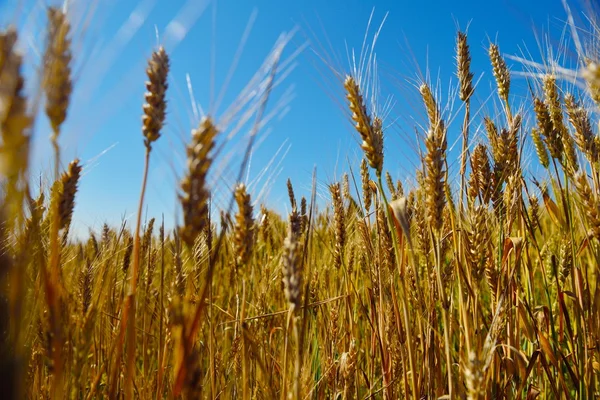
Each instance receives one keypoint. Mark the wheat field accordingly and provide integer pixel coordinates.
(476, 287)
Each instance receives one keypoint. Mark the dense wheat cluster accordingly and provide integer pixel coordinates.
(481, 286)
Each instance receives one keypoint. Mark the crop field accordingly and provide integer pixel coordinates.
(475, 278)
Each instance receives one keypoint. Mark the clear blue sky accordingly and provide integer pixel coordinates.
(111, 48)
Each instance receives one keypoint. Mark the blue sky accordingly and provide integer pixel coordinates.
(113, 40)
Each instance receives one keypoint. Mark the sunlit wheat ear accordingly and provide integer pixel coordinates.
(546, 128)
(297, 220)
(463, 67)
(465, 78)
(565, 265)
(584, 134)
(14, 122)
(378, 141)
(436, 145)
(450, 206)
(292, 268)
(477, 237)
(372, 141)
(366, 190)
(194, 192)
(243, 232)
(69, 181)
(147, 238)
(390, 184)
(504, 147)
(339, 224)
(266, 229)
(481, 175)
(554, 104)
(57, 69)
(590, 203)
(540, 147)
(512, 199)
(156, 103)
(436, 124)
(570, 153)
(501, 72)
(591, 74)
(346, 187)
(399, 189)
(492, 133)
